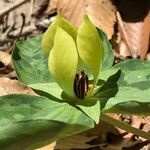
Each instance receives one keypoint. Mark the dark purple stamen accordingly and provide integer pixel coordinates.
(81, 85)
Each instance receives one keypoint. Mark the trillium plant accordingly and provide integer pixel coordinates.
(69, 48)
(76, 84)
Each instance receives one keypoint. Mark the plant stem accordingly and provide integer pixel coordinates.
(125, 126)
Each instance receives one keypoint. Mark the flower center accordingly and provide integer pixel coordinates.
(81, 84)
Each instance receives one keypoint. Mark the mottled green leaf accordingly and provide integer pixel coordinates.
(49, 90)
(129, 100)
(133, 64)
(90, 107)
(28, 122)
(108, 52)
(92, 110)
(128, 93)
(30, 62)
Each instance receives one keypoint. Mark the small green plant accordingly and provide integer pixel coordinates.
(72, 72)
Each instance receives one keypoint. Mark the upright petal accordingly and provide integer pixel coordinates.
(90, 47)
(48, 37)
(65, 25)
(63, 61)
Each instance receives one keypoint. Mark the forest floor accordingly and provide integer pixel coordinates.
(128, 32)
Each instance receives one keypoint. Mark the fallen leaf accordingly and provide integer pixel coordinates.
(38, 7)
(147, 124)
(5, 58)
(5, 63)
(8, 86)
(48, 147)
(145, 41)
(134, 25)
(96, 137)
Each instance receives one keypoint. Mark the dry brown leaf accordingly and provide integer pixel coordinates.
(101, 12)
(8, 86)
(14, 18)
(88, 139)
(136, 121)
(38, 7)
(5, 63)
(98, 136)
(48, 147)
(134, 26)
(8, 74)
(5, 58)
(147, 124)
(124, 51)
(145, 41)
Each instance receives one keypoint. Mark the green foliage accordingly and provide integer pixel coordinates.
(30, 62)
(108, 53)
(124, 98)
(33, 121)
(29, 122)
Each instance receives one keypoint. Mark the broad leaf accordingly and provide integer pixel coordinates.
(93, 110)
(109, 88)
(126, 93)
(63, 61)
(30, 62)
(28, 122)
(135, 78)
(108, 53)
(49, 90)
(133, 64)
(107, 73)
(129, 100)
(134, 73)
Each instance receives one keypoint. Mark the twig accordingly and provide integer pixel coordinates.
(23, 23)
(12, 7)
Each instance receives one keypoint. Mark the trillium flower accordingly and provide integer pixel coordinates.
(70, 50)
